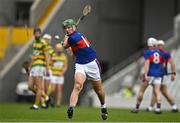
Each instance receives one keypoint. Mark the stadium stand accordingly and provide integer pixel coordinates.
(21, 53)
(18, 36)
(113, 85)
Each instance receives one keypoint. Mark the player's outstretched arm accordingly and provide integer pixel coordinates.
(172, 69)
(146, 68)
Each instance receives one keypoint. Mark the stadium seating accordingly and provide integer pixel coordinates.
(12, 62)
(114, 84)
(113, 87)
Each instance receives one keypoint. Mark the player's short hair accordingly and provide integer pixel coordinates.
(37, 30)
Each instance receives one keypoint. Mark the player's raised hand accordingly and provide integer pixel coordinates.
(66, 37)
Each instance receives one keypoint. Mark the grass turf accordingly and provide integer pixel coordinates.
(22, 113)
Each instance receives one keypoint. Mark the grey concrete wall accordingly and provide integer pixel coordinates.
(119, 29)
(7, 9)
(37, 11)
(158, 17)
(10, 80)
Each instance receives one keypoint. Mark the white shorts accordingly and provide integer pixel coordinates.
(48, 77)
(154, 80)
(166, 80)
(37, 71)
(57, 79)
(91, 70)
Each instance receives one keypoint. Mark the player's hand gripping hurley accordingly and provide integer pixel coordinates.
(86, 11)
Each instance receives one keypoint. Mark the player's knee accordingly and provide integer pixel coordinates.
(78, 86)
(39, 92)
(52, 90)
(30, 87)
(99, 92)
(162, 88)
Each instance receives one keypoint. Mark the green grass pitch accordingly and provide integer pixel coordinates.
(22, 113)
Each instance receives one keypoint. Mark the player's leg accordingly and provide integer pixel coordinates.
(78, 85)
(139, 98)
(46, 84)
(157, 93)
(152, 103)
(97, 86)
(31, 80)
(51, 93)
(31, 84)
(45, 81)
(44, 96)
(38, 84)
(49, 89)
(59, 94)
(93, 72)
(59, 87)
(52, 89)
(169, 98)
(79, 78)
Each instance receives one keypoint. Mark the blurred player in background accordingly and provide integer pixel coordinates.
(47, 38)
(25, 67)
(59, 67)
(164, 89)
(39, 66)
(86, 66)
(153, 72)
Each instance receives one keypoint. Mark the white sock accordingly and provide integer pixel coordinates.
(73, 106)
(157, 109)
(174, 106)
(103, 106)
(47, 98)
(44, 105)
(35, 106)
(150, 108)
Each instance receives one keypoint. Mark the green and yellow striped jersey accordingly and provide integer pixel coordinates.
(58, 65)
(51, 51)
(39, 49)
